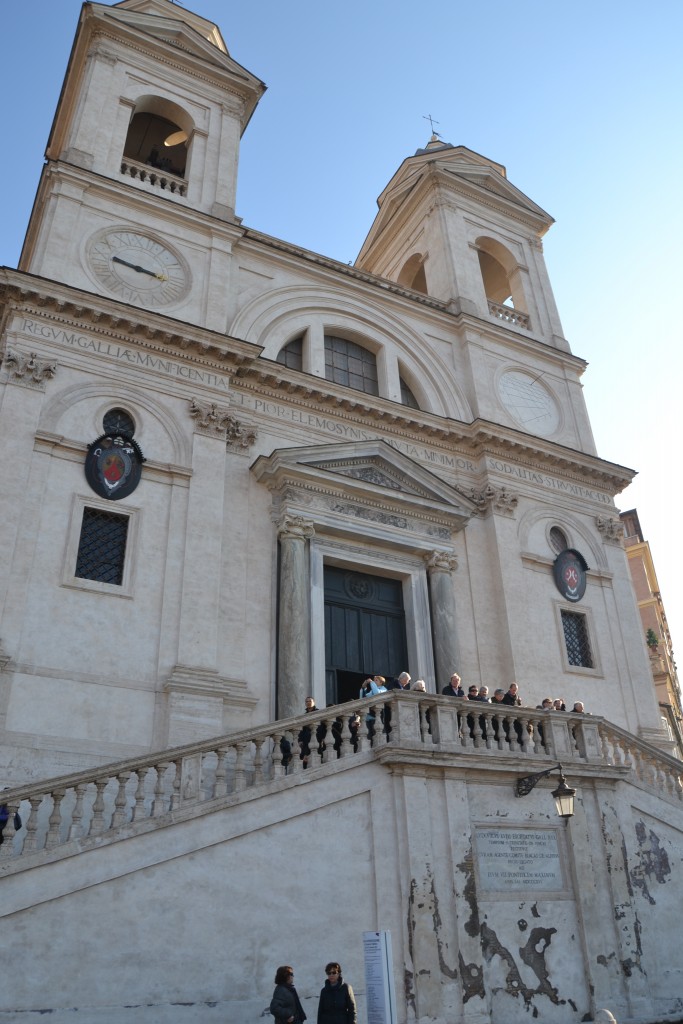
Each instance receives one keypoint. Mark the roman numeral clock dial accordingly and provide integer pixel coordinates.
(138, 268)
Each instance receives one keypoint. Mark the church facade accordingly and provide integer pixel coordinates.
(238, 474)
(310, 471)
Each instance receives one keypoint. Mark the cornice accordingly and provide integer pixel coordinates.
(200, 70)
(476, 440)
(25, 293)
(343, 268)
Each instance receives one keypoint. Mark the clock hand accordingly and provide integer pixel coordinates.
(140, 270)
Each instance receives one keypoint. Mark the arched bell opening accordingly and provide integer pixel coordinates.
(159, 135)
(413, 275)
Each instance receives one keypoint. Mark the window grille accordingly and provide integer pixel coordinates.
(102, 546)
(117, 421)
(291, 355)
(576, 639)
(351, 365)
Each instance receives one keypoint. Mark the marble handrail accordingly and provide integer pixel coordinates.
(102, 799)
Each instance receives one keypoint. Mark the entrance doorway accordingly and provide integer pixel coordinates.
(365, 631)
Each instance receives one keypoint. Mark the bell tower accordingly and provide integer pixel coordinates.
(451, 226)
(137, 196)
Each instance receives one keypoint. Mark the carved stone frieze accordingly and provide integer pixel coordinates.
(29, 370)
(294, 528)
(494, 499)
(441, 561)
(611, 529)
(217, 421)
(372, 515)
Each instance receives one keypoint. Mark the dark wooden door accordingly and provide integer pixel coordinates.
(365, 631)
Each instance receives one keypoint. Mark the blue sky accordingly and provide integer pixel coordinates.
(581, 102)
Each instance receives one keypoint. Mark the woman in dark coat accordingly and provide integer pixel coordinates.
(337, 1005)
(285, 1005)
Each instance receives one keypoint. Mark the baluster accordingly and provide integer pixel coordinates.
(276, 756)
(77, 813)
(31, 841)
(159, 804)
(258, 761)
(176, 795)
(345, 745)
(523, 734)
(52, 836)
(97, 822)
(139, 809)
(328, 752)
(220, 787)
(240, 780)
(498, 730)
(120, 801)
(9, 832)
(477, 733)
(296, 765)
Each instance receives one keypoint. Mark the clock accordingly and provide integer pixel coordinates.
(137, 268)
(529, 402)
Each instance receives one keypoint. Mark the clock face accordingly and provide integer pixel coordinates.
(137, 268)
(529, 402)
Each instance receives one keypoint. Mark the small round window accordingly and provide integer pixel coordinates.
(117, 421)
(558, 540)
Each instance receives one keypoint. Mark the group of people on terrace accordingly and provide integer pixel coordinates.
(375, 686)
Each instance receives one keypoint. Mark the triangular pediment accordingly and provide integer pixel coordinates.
(164, 10)
(368, 471)
(448, 167)
(174, 26)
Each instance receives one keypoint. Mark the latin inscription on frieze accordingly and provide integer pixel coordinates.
(122, 354)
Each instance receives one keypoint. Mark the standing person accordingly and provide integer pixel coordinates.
(513, 699)
(337, 1004)
(512, 696)
(371, 688)
(285, 1005)
(454, 687)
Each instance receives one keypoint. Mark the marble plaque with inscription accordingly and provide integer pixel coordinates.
(510, 858)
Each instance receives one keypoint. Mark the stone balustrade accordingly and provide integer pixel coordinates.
(154, 788)
(164, 181)
(510, 315)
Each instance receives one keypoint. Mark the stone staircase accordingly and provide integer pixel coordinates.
(64, 816)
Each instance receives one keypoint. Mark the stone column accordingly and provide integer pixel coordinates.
(440, 565)
(294, 634)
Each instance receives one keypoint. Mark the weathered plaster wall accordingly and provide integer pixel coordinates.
(188, 922)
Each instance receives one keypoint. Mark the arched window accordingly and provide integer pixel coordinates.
(291, 355)
(159, 135)
(413, 274)
(407, 396)
(351, 365)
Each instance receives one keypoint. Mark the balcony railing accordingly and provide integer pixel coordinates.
(82, 810)
(511, 316)
(159, 179)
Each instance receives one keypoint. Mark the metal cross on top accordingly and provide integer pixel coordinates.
(432, 122)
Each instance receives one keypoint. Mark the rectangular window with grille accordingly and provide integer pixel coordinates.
(102, 546)
(577, 640)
